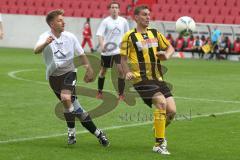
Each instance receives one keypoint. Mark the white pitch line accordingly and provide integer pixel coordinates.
(109, 128)
(12, 74)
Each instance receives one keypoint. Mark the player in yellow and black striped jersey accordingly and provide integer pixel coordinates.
(143, 48)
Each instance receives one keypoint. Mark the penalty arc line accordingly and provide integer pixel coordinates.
(12, 74)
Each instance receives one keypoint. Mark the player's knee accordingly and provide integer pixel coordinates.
(102, 72)
(171, 115)
(159, 101)
(65, 97)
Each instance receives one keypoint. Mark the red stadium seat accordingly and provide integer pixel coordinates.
(78, 13)
(97, 14)
(32, 11)
(210, 3)
(165, 9)
(209, 19)
(3, 3)
(21, 3)
(175, 9)
(214, 11)
(23, 10)
(200, 3)
(12, 3)
(219, 19)
(181, 2)
(229, 20)
(30, 3)
(87, 13)
(155, 8)
(230, 3)
(160, 2)
(76, 5)
(195, 10)
(185, 10)
(221, 3)
(41, 11)
(225, 11)
(103, 6)
(237, 20)
(94, 6)
(234, 11)
(38, 3)
(85, 4)
(171, 2)
(47, 4)
(13, 10)
(199, 18)
(191, 2)
(205, 10)
(68, 12)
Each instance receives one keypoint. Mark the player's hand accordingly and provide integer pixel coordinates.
(49, 40)
(162, 55)
(88, 75)
(129, 76)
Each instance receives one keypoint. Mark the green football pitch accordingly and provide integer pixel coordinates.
(207, 125)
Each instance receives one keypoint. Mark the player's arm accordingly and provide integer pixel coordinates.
(101, 43)
(89, 71)
(124, 51)
(39, 48)
(100, 33)
(128, 74)
(165, 55)
(166, 47)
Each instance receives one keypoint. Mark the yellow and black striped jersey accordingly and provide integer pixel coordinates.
(141, 50)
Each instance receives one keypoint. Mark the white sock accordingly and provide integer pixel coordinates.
(97, 132)
(71, 131)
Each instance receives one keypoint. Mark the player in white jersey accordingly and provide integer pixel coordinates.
(1, 27)
(110, 33)
(59, 48)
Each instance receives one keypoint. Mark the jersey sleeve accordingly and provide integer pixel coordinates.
(77, 47)
(0, 17)
(163, 42)
(126, 26)
(101, 29)
(125, 45)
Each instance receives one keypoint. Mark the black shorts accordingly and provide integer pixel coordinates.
(66, 81)
(147, 88)
(107, 61)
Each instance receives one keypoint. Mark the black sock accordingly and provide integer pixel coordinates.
(89, 125)
(100, 83)
(70, 119)
(121, 85)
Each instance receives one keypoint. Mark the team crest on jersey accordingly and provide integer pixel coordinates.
(148, 43)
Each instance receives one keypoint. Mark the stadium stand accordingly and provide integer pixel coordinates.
(205, 11)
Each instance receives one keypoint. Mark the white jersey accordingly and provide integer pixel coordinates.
(0, 17)
(59, 54)
(112, 31)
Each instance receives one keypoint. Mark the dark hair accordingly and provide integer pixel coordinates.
(53, 14)
(113, 2)
(138, 9)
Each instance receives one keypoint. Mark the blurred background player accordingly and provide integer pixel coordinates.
(87, 35)
(1, 27)
(59, 47)
(143, 48)
(110, 33)
(215, 38)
